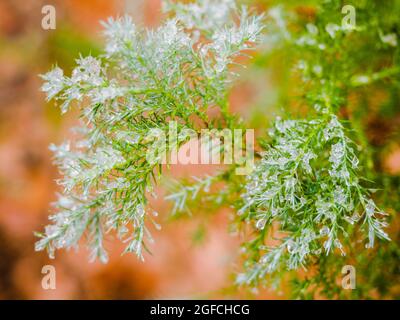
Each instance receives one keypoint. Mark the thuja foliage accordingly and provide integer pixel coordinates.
(313, 194)
(145, 79)
(317, 197)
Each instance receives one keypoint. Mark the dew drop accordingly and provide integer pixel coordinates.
(291, 246)
(260, 224)
(324, 231)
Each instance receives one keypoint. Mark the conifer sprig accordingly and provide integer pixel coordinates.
(145, 79)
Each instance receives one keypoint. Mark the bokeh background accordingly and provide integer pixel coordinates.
(188, 261)
(191, 258)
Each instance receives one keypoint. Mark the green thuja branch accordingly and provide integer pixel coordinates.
(310, 204)
(309, 198)
(145, 79)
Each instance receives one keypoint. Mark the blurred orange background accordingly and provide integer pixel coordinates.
(185, 261)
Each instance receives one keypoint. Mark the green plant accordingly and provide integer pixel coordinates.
(310, 200)
(148, 78)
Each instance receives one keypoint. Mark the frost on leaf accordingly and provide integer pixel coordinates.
(307, 175)
(145, 78)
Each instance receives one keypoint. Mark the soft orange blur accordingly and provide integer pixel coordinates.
(178, 266)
